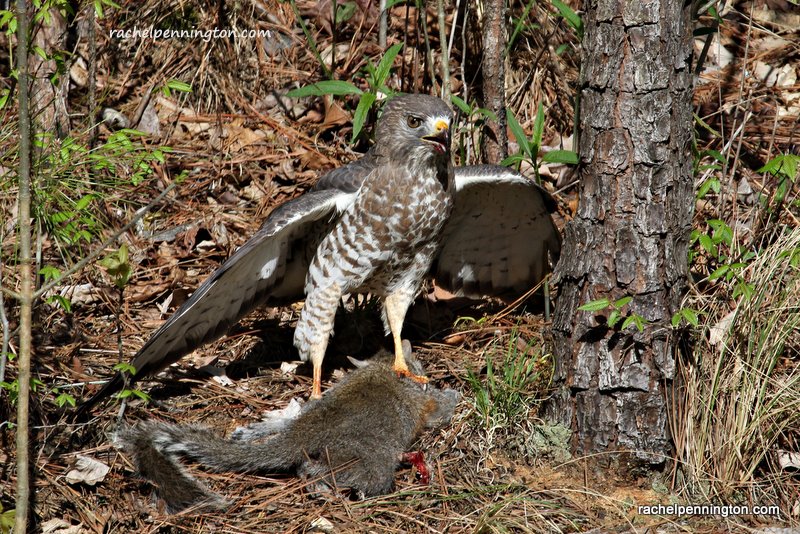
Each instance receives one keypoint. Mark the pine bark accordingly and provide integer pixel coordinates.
(630, 234)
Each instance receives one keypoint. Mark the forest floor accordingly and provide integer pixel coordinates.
(238, 148)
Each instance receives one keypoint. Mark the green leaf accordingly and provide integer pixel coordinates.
(712, 184)
(177, 85)
(49, 273)
(691, 316)
(124, 367)
(743, 288)
(785, 165)
(595, 305)
(538, 130)
(117, 266)
(676, 319)
(460, 104)
(64, 399)
(488, 113)
(622, 302)
(570, 16)
(519, 133)
(7, 520)
(64, 302)
(344, 12)
(613, 318)
(512, 160)
(716, 154)
(708, 245)
(636, 320)
(385, 66)
(360, 116)
(567, 157)
(84, 202)
(325, 87)
(141, 394)
(719, 272)
(706, 126)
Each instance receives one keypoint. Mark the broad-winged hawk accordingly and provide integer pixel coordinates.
(377, 225)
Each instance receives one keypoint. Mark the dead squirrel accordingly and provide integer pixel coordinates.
(358, 431)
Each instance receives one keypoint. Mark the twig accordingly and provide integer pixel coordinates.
(22, 504)
(423, 18)
(93, 126)
(384, 22)
(445, 52)
(4, 323)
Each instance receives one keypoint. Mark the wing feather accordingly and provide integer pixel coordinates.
(269, 266)
(500, 236)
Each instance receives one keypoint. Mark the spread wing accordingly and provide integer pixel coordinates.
(269, 266)
(500, 236)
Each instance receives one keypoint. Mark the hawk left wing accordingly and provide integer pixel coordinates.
(270, 266)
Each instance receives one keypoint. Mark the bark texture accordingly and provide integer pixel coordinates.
(494, 141)
(631, 232)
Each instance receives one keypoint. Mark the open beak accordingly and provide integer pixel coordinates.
(440, 138)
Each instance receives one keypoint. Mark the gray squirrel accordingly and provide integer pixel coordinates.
(355, 437)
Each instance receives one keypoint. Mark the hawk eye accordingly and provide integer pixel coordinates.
(413, 122)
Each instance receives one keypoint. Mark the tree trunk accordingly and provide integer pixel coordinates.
(631, 232)
(494, 141)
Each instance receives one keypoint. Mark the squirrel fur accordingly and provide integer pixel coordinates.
(353, 437)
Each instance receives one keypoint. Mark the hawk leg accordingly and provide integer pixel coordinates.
(314, 329)
(396, 305)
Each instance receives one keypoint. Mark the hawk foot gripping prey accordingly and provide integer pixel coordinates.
(378, 225)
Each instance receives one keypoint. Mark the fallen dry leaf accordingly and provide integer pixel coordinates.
(87, 470)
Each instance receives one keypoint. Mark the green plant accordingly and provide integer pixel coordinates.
(473, 120)
(692, 317)
(616, 312)
(12, 390)
(117, 266)
(175, 85)
(74, 180)
(127, 371)
(119, 269)
(785, 167)
(376, 77)
(510, 389)
(573, 19)
(741, 397)
(312, 43)
(7, 518)
(521, 24)
(529, 148)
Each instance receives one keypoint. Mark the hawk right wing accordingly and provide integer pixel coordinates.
(269, 266)
(500, 237)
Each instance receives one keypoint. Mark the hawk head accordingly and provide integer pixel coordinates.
(415, 128)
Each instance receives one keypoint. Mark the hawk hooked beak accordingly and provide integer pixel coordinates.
(440, 138)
